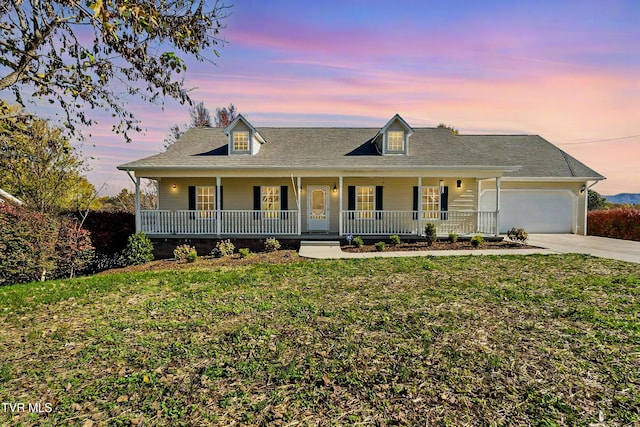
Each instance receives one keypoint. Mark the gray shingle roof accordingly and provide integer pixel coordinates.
(351, 148)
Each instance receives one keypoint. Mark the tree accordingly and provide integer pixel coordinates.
(596, 201)
(200, 116)
(40, 166)
(446, 126)
(89, 54)
(225, 115)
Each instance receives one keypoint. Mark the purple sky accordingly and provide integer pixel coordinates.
(568, 71)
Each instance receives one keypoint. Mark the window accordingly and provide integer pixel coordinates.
(270, 201)
(430, 202)
(240, 141)
(395, 141)
(205, 201)
(365, 201)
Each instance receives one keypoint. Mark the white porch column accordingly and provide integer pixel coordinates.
(498, 179)
(299, 194)
(218, 210)
(138, 213)
(340, 224)
(419, 206)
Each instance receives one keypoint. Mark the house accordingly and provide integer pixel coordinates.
(7, 197)
(248, 181)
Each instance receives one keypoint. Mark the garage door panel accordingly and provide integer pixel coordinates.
(544, 211)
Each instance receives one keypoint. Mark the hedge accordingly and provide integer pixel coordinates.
(615, 223)
(110, 231)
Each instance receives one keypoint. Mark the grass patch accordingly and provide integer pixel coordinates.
(533, 340)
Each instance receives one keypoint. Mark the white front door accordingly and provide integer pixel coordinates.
(318, 207)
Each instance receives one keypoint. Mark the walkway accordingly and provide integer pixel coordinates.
(623, 250)
(331, 250)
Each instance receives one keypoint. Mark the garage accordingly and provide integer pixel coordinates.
(537, 211)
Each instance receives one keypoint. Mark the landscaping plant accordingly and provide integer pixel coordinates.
(477, 241)
(453, 237)
(139, 249)
(223, 248)
(244, 252)
(358, 241)
(518, 235)
(430, 233)
(181, 253)
(395, 239)
(380, 246)
(271, 244)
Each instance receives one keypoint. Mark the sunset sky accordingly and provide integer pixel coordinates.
(568, 71)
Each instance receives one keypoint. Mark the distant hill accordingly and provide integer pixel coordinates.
(624, 198)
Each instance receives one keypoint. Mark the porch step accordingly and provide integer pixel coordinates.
(319, 243)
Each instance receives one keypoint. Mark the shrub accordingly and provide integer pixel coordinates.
(477, 241)
(358, 241)
(430, 233)
(518, 235)
(181, 253)
(27, 245)
(380, 246)
(453, 237)
(395, 239)
(192, 256)
(615, 223)
(271, 244)
(110, 231)
(139, 249)
(223, 248)
(74, 251)
(244, 252)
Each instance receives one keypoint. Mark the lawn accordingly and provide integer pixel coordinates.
(488, 340)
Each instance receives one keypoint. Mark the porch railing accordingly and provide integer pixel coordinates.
(231, 222)
(239, 222)
(406, 222)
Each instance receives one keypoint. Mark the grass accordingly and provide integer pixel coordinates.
(521, 340)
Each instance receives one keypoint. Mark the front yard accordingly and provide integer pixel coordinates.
(518, 340)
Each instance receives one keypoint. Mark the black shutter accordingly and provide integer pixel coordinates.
(351, 200)
(444, 203)
(221, 201)
(256, 201)
(192, 200)
(416, 192)
(379, 201)
(284, 201)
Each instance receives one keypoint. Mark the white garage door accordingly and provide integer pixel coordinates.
(537, 211)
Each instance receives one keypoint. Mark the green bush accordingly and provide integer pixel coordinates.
(430, 233)
(395, 239)
(453, 237)
(477, 240)
(27, 245)
(223, 248)
(271, 244)
(139, 249)
(518, 235)
(358, 241)
(181, 253)
(380, 246)
(244, 252)
(192, 256)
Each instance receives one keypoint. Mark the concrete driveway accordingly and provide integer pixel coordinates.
(623, 250)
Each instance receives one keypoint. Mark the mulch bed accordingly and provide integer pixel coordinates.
(439, 246)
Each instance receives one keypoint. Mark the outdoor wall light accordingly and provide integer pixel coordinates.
(584, 187)
(459, 183)
(335, 188)
(174, 186)
(441, 186)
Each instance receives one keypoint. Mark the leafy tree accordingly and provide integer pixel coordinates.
(200, 116)
(91, 54)
(40, 166)
(225, 115)
(446, 126)
(596, 201)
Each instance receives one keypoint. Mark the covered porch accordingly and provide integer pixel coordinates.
(220, 207)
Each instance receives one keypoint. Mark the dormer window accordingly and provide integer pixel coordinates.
(240, 141)
(395, 141)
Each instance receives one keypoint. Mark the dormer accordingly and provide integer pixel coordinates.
(393, 138)
(243, 137)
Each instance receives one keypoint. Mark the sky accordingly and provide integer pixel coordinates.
(568, 71)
